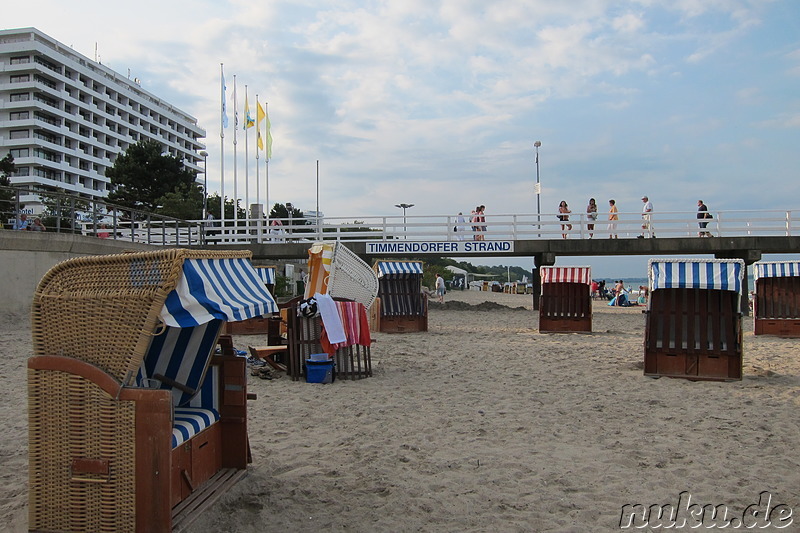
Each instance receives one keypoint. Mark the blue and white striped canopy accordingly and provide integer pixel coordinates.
(399, 268)
(776, 269)
(720, 274)
(223, 289)
(267, 274)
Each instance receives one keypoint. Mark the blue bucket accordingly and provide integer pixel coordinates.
(320, 371)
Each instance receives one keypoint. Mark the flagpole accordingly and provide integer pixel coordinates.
(222, 148)
(266, 162)
(258, 192)
(246, 156)
(235, 179)
(258, 132)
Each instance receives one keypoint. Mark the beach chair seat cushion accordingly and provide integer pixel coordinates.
(189, 421)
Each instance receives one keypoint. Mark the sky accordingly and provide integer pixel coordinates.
(439, 103)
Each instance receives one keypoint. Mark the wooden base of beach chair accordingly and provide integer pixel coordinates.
(778, 327)
(565, 308)
(185, 513)
(403, 324)
(693, 334)
(777, 306)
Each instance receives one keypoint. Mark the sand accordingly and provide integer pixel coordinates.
(484, 424)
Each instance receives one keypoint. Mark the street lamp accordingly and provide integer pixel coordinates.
(289, 208)
(538, 189)
(205, 183)
(404, 207)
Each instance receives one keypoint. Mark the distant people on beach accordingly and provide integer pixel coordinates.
(647, 214)
(601, 289)
(620, 295)
(613, 218)
(594, 289)
(591, 214)
(704, 215)
(644, 293)
(563, 216)
(440, 288)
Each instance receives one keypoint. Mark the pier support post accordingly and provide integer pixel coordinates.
(540, 260)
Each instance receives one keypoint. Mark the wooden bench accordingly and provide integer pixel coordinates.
(265, 353)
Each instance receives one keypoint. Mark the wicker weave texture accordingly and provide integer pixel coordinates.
(104, 309)
(352, 278)
(69, 418)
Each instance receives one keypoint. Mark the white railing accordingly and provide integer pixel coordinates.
(443, 228)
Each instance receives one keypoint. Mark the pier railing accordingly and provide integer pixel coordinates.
(101, 219)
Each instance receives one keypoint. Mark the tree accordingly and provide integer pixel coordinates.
(7, 167)
(298, 219)
(281, 211)
(185, 203)
(213, 208)
(7, 196)
(143, 175)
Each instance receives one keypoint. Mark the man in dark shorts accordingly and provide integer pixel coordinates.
(704, 215)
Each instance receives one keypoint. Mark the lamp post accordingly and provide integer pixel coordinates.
(205, 183)
(538, 189)
(289, 208)
(404, 207)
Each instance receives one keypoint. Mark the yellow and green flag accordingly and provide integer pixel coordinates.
(260, 114)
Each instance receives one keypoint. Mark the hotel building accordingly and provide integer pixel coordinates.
(65, 118)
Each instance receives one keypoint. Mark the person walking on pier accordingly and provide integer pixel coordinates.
(703, 214)
(613, 217)
(591, 215)
(461, 226)
(647, 223)
(563, 216)
(482, 220)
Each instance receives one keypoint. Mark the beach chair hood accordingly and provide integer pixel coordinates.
(107, 310)
(716, 274)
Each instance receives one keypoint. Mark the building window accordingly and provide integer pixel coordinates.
(19, 60)
(19, 78)
(16, 153)
(20, 97)
(18, 134)
(45, 81)
(22, 171)
(19, 115)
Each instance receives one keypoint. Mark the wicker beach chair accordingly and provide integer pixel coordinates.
(336, 270)
(565, 304)
(134, 423)
(403, 305)
(693, 326)
(776, 306)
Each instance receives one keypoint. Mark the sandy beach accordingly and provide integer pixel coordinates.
(484, 424)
